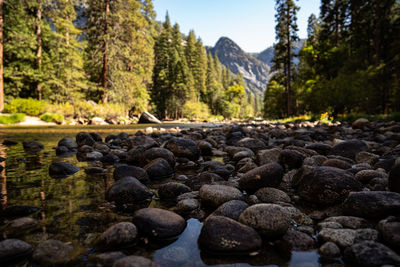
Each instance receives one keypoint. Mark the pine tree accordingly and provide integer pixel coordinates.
(1, 58)
(286, 34)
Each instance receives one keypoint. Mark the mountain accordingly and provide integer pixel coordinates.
(255, 73)
(255, 67)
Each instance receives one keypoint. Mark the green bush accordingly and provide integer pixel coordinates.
(13, 118)
(196, 110)
(52, 117)
(28, 106)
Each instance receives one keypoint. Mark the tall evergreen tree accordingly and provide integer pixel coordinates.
(286, 34)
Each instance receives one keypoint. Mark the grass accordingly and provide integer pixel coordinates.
(13, 118)
(52, 117)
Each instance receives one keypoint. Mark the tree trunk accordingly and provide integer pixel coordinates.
(39, 49)
(288, 59)
(1, 58)
(104, 72)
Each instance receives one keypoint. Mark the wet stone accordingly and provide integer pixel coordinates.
(185, 148)
(329, 250)
(158, 152)
(271, 195)
(215, 195)
(106, 259)
(134, 261)
(52, 252)
(133, 171)
(32, 146)
(14, 249)
(187, 205)
(62, 169)
(350, 222)
(172, 190)
(268, 175)
(128, 190)
(341, 237)
(390, 230)
(120, 235)
(231, 209)
(295, 240)
(158, 169)
(21, 224)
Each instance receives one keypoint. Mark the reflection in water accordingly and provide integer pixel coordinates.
(3, 177)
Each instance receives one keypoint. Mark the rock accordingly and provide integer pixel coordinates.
(146, 117)
(390, 230)
(14, 211)
(268, 156)
(97, 121)
(69, 143)
(109, 159)
(366, 157)
(349, 149)
(366, 234)
(360, 123)
(331, 225)
(158, 223)
(290, 158)
(84, 138)
(32, 146)
(394, 178)
(120, 235)
(297, 216)
(295, 241)
(372, 204)
(217, 168)
(349, 221)
(14, 249)
(142, 141)
(8, 142)
(158, 152)
(254, 144)
(62, 150)
(184, 148)
(187, 205)
(322, 149)
(370, 253)
(102, 148)
(337, 163)
(222, 234)
(341, 237)
(268, 175)
(128, 190)
(62, 169)
(106, 259)
(243, 154)
(365, 176)
(329, 250)
(271, 195)
(95, 171)
(231, 209)
(216, 195)
(52, 252)
(133, 171)
(93, 156)
(270, 220)
(172, 190)
(159, 169)
(205, 148)
(326, 185)
(135, 156)
(134, 261)
(197, 182)
(20, 225)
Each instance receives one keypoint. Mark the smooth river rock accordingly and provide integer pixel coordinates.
(268, 175)
(62, 169)
(120, 235)
(215, 195)
(52, 252)
(14, 249)
(185, 148)
(134, 261)
(128, 190)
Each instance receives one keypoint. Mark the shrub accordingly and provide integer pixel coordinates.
(13, 118)
(195, 110)
(52, 117)
(28, 106)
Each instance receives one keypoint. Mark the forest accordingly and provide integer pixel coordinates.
(111, 58)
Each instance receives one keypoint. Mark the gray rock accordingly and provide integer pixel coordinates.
(366, 157)
(370, 253)
(134, 261)
(128, 190)
(271, 195)
(53, 252)
(184, 148)
(299, 217)
(269, 220)
(320, 148)
(68, 142)
(84, 138)
(325, 185)
(243, 154)
(254, 144)
(14, 249)
(205, 148)
(341, 237)
(216, 195)
(331, 225)
(110, 159)
(120, 235)
(187, 205)
(222, 234)
(132, 171)
(172, 190)
(268, 175)
(337, 163)
(349, 148)
(62, 169)
(158, 223)
(32, 146)
(106, 259)
(366, 234)
(295, 240)
(159, 169)
(360, 123)
(329, 250)
(365, 176)
(268, 156)
(291, 158)
(158, 152)
(372, 204)
(92, 156)
(349, 221)
(231, 209)
(146, 117)
(390, 230)
(21, 224)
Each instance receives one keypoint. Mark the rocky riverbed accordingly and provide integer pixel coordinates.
(291, 187)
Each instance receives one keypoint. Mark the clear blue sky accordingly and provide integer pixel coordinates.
(249, 23)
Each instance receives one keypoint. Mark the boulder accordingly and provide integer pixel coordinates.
(268, 175)
(14, 249)
(341, 237)
(370, 253)
(84, 138)
(134, 261)
(222, 234)
(159, 169)
(329, 250)
(158, 152)
(106, 259)
(133, 171)
(271, 195)
(231, 209)
(270, 220)
(252, 143)
(62, 169)
(295, 240)
(120, 235)
(172, 190)
(291, 158)
(128, 190)
(146, 117)
(372, 204)
(390, 230)
(32, 146)
(350, 222)
(360, 123)
(53, 252)
(185, 148)
(158, 223)
(349, 149)
(68, 142)
(216, 195)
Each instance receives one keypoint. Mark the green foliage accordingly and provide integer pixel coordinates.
(28, 106)
(196, 110)
(274, 100)
(13, 118)
(52, 117)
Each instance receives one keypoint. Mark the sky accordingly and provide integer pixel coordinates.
(249, 23)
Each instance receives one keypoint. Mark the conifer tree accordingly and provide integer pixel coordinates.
(1, 58)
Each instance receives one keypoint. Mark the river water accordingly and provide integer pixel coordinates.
(74, 209)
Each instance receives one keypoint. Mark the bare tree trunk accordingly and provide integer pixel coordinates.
(39, 49)
(104, 72)
(1, 58)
